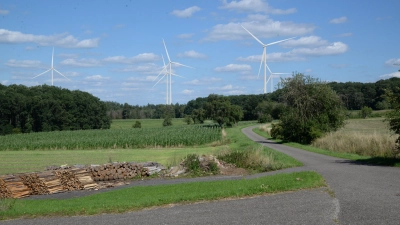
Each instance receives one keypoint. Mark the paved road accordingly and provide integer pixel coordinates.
(362, 195)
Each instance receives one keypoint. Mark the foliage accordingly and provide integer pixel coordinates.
(137, 124)
(48, 108)
(167, 121)
(219, 109)
(312, 108)
(276, 131)
(394, 117)
(365, 112)
(198, 115)
(188, 119)
(197, 167)
(100, 139)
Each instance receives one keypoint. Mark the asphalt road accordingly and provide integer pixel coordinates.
(357, 194)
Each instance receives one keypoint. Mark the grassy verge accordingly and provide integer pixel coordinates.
(351, 156)
(136, 198)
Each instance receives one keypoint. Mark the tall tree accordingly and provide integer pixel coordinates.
(219, 109)
(312, 108)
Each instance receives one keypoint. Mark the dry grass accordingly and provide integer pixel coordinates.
(367, 137)
(265, 128)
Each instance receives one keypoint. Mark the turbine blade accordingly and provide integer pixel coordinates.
(164, 69)
(159, 80)
(163, 59)
(253, 36)
(259, 70)
(169, 60)
(276, 42)
(181, 65)
(42, 73)
(268, 68)
(176, 75)
(61, 74)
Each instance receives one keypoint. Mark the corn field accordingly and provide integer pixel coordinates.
(106, 139)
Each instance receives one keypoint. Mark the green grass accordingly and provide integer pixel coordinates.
(360, 126)
(146, 123)
(136, 198)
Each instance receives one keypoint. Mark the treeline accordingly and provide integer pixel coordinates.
(354, 95)
(48, 108)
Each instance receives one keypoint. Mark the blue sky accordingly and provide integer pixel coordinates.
(114, 49)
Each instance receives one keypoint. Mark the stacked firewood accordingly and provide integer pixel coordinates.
(115, 171)
(13, 187)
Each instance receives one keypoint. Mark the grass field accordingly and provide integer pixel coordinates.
(146, 123)
(30, 161)
(364, 140)
(136, 198)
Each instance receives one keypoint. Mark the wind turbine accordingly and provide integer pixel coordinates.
(165, 70)
(271, 75)
(264, 56)
(52, 70)
(170, 73)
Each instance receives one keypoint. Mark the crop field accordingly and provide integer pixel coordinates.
(173, 136)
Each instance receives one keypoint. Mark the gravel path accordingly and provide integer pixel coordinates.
(359, 194)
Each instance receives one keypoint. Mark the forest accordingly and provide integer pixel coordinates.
(48, 108)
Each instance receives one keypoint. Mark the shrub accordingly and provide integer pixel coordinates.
(276, 131)
(167, 121)
(265, 118)
(137, 124)
(188, 120)
(365, 112)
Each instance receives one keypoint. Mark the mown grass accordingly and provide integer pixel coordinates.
(364, 140)
(139, 197)
(32, 161)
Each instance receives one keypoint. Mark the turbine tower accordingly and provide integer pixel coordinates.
(52, 70)
(264, 56)
(169, 65)
(271, 75)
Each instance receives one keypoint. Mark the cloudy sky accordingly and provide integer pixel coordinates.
(115, 50)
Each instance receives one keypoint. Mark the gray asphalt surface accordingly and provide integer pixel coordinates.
(362, 195)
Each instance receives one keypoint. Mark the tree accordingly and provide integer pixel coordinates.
(393, 117)
(219, 109)
(187, 119)
(312, 108)
(198, 116)
(365, 112)
(167, 121)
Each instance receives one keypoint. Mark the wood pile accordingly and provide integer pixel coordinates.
(115, 171)
(60, 179)
(13, 187)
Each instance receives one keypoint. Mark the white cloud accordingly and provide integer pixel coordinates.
(192, 54)
(204, 81)
(184, 36)
(186, 12)
(148, 68)
(187, 92)
(332, 49)
(4, 12)
(254, 6)
(60, 40)
(96, 78)
(342, 19)
(259, 25)
(393, 62)
(4, 82)
(305, 42)
(81, 63)
(23, 63)
(144, 57)
(233, 68)
(395, 74)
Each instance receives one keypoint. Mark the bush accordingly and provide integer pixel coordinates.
(276, 131)
(188, 120)
(167, 122)
(137, 124)
(195, 166)
(365, 112)
(266, 118)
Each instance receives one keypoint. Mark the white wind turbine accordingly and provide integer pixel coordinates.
(271, 76)
(52, 70)
(165, 70)
(170, 73)
(264, 56)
